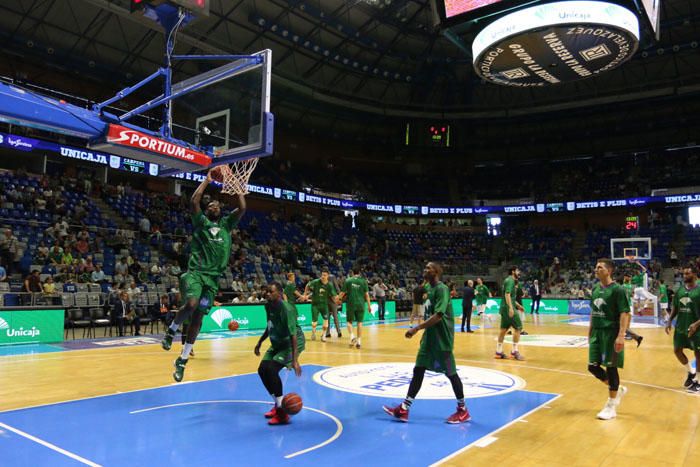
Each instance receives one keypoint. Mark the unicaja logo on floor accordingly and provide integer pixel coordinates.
(391, 380)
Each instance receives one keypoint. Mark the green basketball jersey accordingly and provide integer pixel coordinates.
(281, 324)
(509, 288)
(482, 294)
(441, 336)
(355, 288)
(638, 279)
(607, 304)
(211, 244)
(289, 290)
(629, 289)
(321, 292)
(687, 302)
(663, 293)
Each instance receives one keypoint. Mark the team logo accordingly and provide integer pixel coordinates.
(3, 324)
(221, 315)
(599, 51)
(391, 380)
(686, 301)
(114, 162)
(515, 73)
(552, 340)
(375, 308)
(214, 231)
(599, 302)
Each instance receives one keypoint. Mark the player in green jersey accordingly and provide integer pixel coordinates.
(663, 298)
(686, 310)
(356, 291)
(610, 318)
(481, 296)
(436, 348)
(291, 294)
(286, 344)
(320, 289)
(629, 287)
(510, 315)
(210, 251)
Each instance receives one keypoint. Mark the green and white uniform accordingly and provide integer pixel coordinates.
(290, 290)
(281, 326)
(510, 288)
(319, 300)
(687, 302)
(355, 289)
(607, 305)
(211, 249)
(663, 296)
(437, 343)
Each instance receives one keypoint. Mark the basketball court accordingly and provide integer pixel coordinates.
(116, 404)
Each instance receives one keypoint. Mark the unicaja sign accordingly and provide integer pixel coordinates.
(21, 332)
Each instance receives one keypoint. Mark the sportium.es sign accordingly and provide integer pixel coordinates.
(31, 326)
(555, 43)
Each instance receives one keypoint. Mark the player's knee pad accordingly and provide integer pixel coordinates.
(597, 371)
(613, 378)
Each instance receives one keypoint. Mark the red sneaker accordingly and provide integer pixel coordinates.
(500, 355)
(281, 418)
(271, 413)
(397, 412)
(460, 416)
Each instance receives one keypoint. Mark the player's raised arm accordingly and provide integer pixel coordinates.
(196, 200)
(240, 210)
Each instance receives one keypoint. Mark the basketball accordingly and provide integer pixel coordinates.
(292, 403)
(217, 173)
(233, 325)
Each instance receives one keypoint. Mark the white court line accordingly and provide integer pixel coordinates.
(336, 435)
(53, 447)
(483, 439)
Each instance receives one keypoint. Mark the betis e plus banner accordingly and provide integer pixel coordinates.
(253, 316)
(493, 305)
(31, 326)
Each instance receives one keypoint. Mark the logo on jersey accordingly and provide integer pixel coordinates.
(214, 231)
(391, 380)
(221, 315)
(552, 340)
(686, 301)
(599, 302)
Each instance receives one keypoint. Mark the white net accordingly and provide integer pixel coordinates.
(237, 175)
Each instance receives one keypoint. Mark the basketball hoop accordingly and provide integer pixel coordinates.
(236, 176)
(631, 258)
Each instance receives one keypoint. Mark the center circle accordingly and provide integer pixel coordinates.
(391, 380)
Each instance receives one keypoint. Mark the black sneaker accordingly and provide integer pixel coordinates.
(524, 333)
(167, 341)
(639, 340)
(340, 334)
(689, 380)
(179, 372)
(694, 389)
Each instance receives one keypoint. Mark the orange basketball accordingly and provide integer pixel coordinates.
(217, 173)
(292, 403)
(232, 325)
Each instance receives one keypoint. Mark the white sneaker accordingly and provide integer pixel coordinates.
(621, 391)
(608, 411)
(323, 337)
(353, 341)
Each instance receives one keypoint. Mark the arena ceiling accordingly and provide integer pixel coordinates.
(340, 57)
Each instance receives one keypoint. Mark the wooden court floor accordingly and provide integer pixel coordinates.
(657, 423)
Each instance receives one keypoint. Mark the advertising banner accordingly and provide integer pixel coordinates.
(493, 305)
(31, 326)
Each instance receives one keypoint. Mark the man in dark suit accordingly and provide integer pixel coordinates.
(125, 314)
(467, 304)
(536, 296)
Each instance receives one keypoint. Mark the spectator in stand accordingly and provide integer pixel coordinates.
(136, 271)
(9, 247)
(66, 260)
(98, 275)
(419, 295)
(133, 292)
(42, 253)
(55, 255)
(82, 246)
(32, 285)
(121, 267)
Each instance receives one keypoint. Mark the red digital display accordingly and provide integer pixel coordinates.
(632, 223)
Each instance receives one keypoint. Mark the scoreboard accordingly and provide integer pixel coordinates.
(428, 135)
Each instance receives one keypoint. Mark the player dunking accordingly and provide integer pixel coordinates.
(436, 348)
(510, 318)
(356, 290)
(686, 307)
(610, 317)
(287, 343)
(210, 251)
